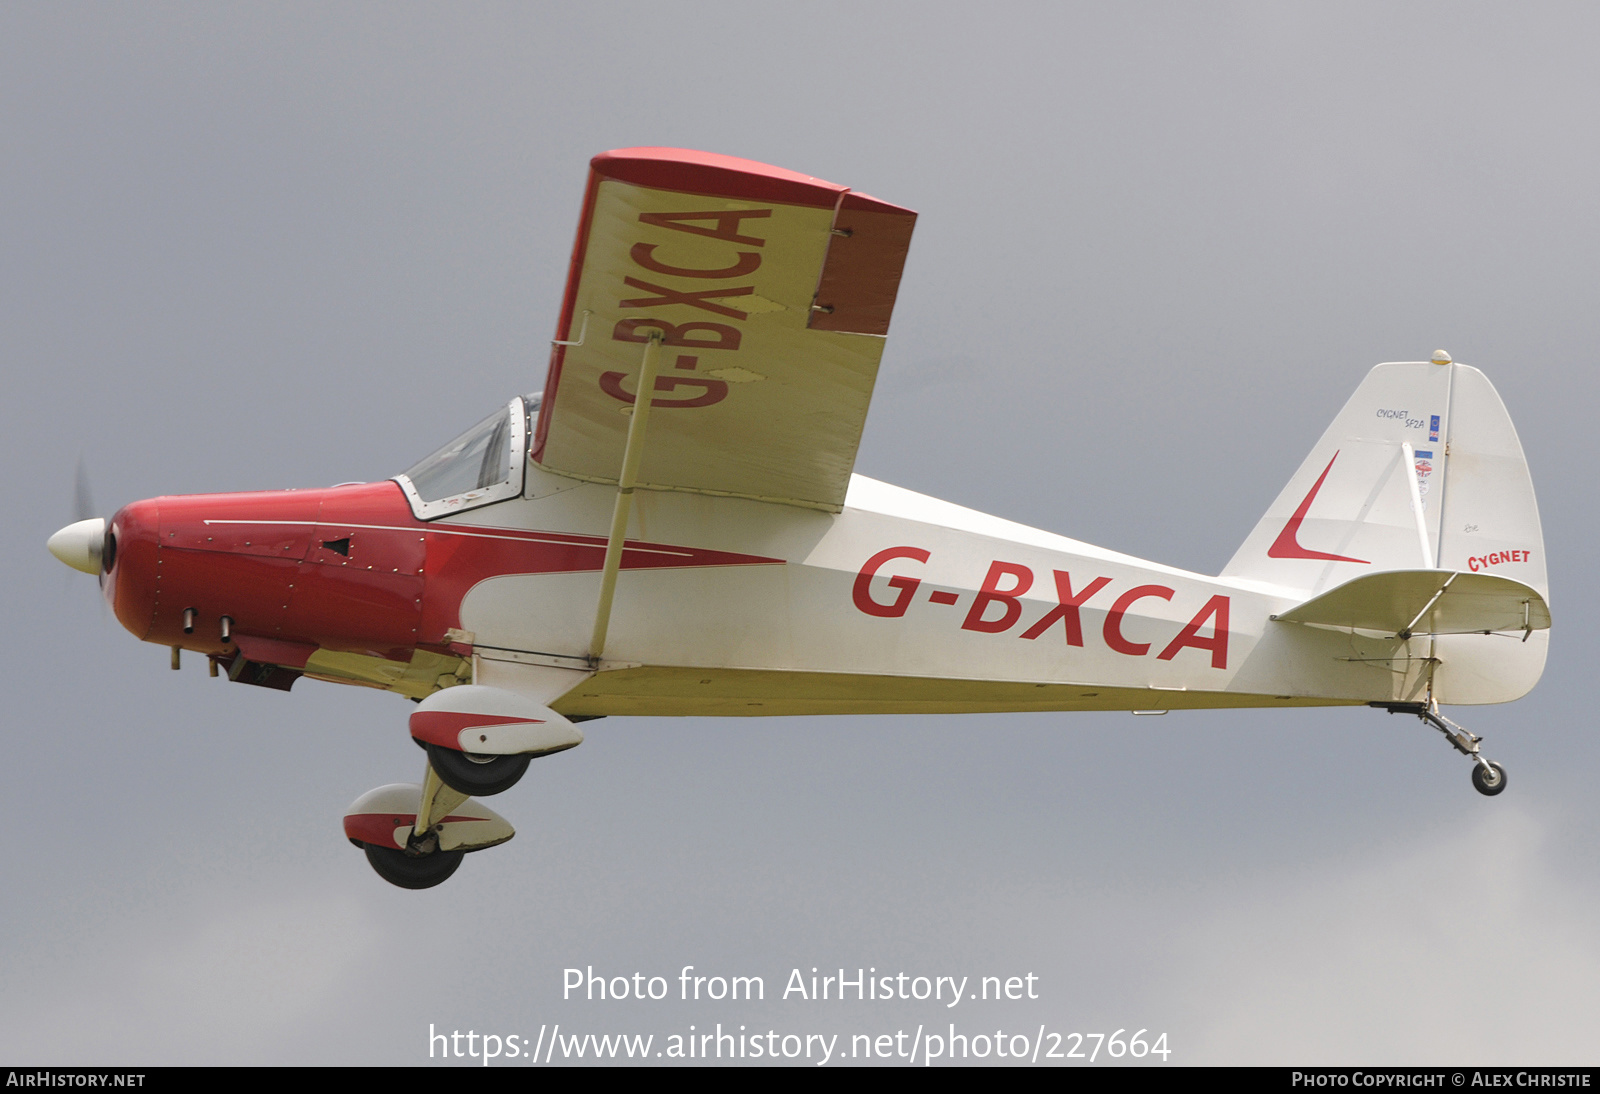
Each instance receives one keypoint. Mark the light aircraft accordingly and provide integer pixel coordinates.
(585, 552)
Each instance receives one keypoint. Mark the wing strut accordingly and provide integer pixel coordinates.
(644, 395)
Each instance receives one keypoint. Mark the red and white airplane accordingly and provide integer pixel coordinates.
(707, 551)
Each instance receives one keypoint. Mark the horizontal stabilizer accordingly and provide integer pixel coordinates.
(1407, 602)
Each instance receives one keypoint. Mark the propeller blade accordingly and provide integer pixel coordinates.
(82, 498)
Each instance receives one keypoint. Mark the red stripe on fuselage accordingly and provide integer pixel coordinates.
(459, 557)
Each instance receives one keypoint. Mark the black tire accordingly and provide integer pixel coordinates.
(413, 871)
(476, 776)
(1486, 783)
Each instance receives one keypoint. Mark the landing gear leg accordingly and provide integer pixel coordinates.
(438, 798)
(1488, 777)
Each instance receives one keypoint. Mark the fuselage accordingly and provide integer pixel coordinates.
(899, 603)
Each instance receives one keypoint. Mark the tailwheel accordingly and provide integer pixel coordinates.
(412, 871)
(1488, 778)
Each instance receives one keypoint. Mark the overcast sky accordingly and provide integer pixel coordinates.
(251, 247)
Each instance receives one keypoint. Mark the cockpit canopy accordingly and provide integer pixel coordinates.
(482, 466)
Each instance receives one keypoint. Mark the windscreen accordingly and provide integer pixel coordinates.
(478, 458)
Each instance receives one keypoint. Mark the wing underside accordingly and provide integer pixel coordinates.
(771, 294)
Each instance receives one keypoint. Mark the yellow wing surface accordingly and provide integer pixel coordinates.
(772, 293)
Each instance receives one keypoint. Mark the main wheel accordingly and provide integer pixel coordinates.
(1486, 781)
(478, 776)
(412, 871)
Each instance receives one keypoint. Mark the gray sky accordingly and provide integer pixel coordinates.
(258, 247)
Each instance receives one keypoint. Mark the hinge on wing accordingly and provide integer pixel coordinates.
(583, 330)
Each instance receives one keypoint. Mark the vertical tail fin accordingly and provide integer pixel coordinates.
(1422, 469)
